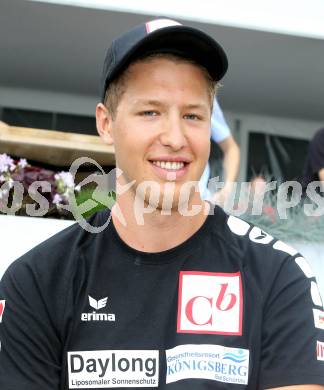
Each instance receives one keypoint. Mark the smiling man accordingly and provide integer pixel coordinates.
(189, 298)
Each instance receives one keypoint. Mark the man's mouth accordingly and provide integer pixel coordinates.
(169, 165)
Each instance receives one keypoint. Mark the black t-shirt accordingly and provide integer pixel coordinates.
(230, 308)
(315, 159)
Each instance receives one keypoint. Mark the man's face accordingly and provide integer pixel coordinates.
(161, 130)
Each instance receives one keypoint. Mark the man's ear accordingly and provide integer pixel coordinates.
(104, 124)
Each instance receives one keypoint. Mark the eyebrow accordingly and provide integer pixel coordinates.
(157, 103)
(149, 102)
(194, 106)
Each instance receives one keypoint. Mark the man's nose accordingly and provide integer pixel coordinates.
(173, 133)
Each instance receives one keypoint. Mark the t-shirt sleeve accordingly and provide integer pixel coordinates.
(30, 341)
(293, 332)
(219, 128)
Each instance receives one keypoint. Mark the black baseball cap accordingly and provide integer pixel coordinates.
(163, 36)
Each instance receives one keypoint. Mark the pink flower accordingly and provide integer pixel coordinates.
(6, 163)
(57, 199)
(66, 178)
(22, 163)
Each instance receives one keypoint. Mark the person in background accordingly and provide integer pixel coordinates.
(314, 165)
(221, 134)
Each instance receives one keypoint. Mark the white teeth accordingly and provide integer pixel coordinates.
(172, 165)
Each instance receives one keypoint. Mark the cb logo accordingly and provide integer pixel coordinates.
(210, 303)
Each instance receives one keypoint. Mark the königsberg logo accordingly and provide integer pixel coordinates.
(97, 305)
(205, 361)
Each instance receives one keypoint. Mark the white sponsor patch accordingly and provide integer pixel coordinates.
(2, 307)
(305, 267)
(316, 296)
(281, 246)
(160, 23)
(119, 368)
(238, 226)
(320, 350)
(204, 361)
(259, 236)
(318, 318)
(210, 302)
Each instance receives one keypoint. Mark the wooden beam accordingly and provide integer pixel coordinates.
(53, 147)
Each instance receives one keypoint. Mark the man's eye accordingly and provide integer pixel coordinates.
(148, 113)
(192, 117)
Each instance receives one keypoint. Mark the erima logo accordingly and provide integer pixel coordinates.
(94, 316)
(100, 304)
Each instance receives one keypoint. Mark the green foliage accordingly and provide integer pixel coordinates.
(86, 194)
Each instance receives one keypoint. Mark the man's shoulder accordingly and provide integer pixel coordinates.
(250, 243)
(49, 276)
(61, 251)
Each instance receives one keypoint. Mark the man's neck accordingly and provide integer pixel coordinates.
(155, 232)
